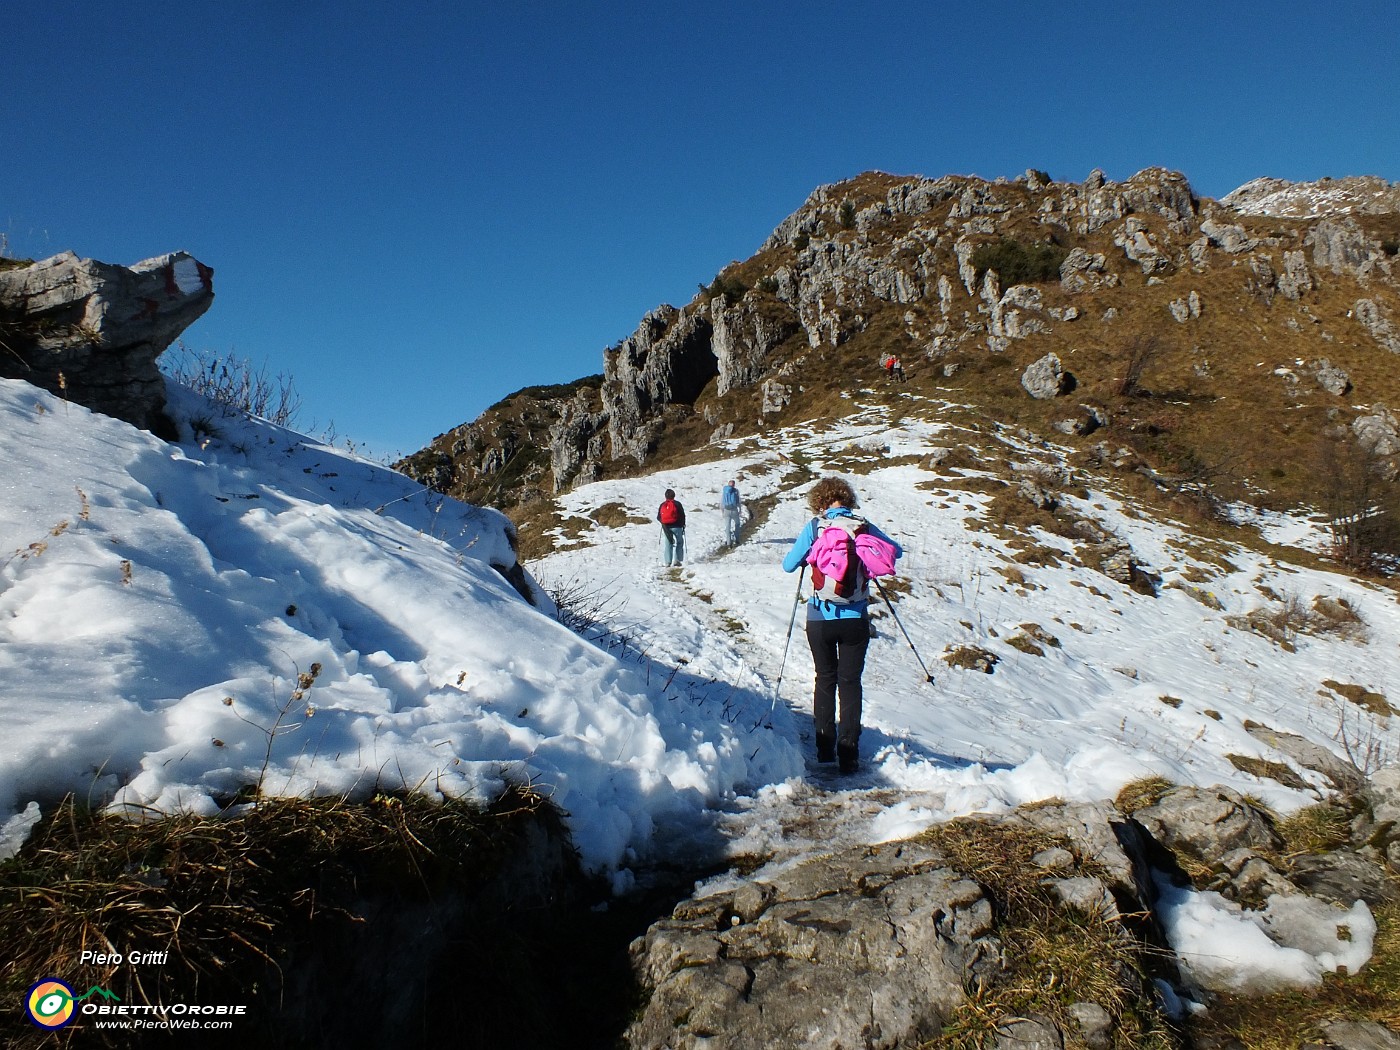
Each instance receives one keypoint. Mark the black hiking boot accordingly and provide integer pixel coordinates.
(848, 758)
(826, 748)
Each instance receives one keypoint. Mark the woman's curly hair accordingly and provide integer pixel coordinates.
(831, 490)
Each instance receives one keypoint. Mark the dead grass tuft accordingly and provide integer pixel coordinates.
(1362, 697)
(1267, 769)
(1142, 793)
(1053, 956)
(971, 658)
(1315, 829)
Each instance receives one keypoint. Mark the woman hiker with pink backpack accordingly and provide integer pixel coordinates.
(844, 552)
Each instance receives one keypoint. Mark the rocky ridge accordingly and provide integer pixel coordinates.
(1281, 296)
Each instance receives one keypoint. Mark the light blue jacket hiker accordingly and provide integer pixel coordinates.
(731, 507)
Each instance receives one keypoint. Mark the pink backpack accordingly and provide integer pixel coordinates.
(845, 556)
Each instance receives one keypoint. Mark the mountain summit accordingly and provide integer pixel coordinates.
(1223, 347)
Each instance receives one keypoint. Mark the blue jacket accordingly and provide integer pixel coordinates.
(729, 496)
(797, 557)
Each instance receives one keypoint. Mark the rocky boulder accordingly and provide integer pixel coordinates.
(1331, 378)
(867, 948)
(1341, 246)
(1207, 823)
(92, 331)
(744, 335)
(1046, 378)
(1374, 320)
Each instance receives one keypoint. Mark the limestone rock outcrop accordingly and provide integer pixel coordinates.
(882, 946)
(945, 272)
(92, 331)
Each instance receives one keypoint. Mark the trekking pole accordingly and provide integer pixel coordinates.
(927, 677)
(796, 604)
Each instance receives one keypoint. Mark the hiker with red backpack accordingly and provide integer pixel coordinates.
(845, 552)
(671, 515)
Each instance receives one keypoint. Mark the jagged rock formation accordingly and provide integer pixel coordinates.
(92, 331)
(506, 455)
(1365, 195)
(960, 277)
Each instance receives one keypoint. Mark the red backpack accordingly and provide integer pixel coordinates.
(670, 513)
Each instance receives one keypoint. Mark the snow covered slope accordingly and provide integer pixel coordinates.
(255, 608)
(1095, 684)
(159, 605)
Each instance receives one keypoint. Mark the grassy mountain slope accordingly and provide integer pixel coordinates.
(1195, 346)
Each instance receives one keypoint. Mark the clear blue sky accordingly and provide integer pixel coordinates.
(415, 208)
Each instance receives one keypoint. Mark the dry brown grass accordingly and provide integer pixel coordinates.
(232, 898)
(1319, 828)
(1267, 769)
(972, 658)
(616, 515)
(1142, 793)
(1053, 956)
(1362, 697)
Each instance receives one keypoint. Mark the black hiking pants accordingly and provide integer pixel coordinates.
(838, 652)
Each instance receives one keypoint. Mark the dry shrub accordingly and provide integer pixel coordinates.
(1362, 508)
(1132, 362)
(235, 383)
(1336, 616)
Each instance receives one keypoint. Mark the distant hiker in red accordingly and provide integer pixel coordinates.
(672, 517)
(888, 365)
(838, 621)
